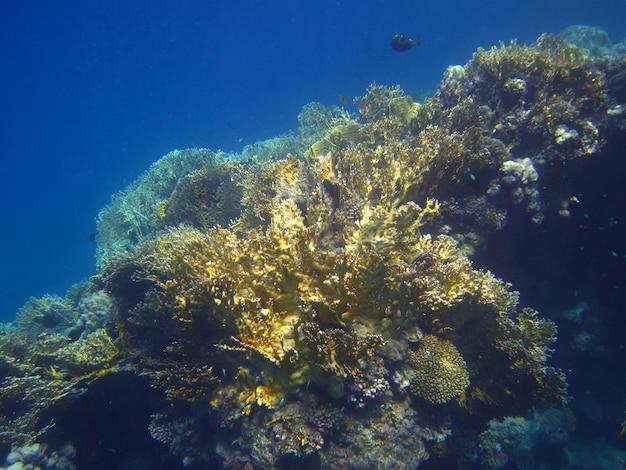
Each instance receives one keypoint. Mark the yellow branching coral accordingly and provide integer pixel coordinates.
(447, 278)
(262, 185)
(181, 381)
(438, 370)
(316, 286)
(334, 350)
(95, 352)
(528, 341)
(44, 373)
(261, 395)
(266, 333)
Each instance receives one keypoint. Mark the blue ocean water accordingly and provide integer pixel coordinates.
(92, 92)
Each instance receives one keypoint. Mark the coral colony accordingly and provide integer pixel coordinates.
(314, 297)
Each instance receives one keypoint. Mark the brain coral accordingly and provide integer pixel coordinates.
(439, 371)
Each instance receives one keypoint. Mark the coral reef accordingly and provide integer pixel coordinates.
(95, 310)
(204, 198)
(370, 383)
(298, 429)
(519, 178)
(313, 298)
(82, 311)
(199, 187)
(546, 106)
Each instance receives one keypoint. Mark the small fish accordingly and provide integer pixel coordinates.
(343, 99)
(400, 43)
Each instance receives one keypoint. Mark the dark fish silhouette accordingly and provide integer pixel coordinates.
(401, 43)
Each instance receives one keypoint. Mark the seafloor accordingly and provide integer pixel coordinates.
(357, 294)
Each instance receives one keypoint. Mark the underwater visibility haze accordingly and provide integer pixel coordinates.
(317, 235)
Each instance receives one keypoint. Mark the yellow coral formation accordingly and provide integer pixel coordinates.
(336, 351)
(449, 278)
(439, 372)
(94, 352)
(326, 266)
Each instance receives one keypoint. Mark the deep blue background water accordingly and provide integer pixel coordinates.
(91, 92)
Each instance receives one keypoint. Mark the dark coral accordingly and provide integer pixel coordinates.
(205, 198)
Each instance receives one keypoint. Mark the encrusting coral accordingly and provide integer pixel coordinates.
(321, 302)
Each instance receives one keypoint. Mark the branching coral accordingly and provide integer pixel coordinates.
(46, 314)
(205, 198)
(136, 212)
(38, 375)
(527, 340)
(297, 429)
(185, 436)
